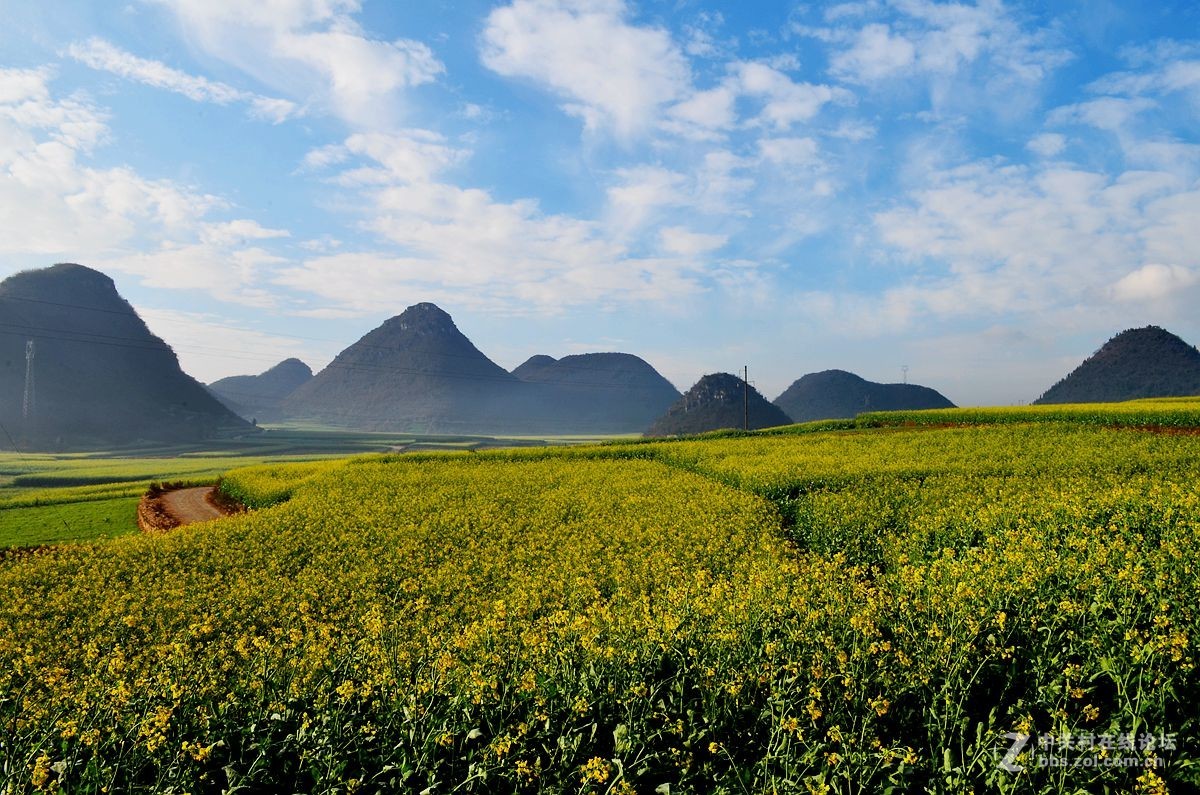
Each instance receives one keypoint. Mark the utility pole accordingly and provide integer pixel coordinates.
(904, 369)
(27, 404)
(746, 397)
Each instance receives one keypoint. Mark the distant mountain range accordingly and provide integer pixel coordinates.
(602, 390)
(1137, 363)
(837, 394)
(80, 370)
(719, 400)
(418, 373)
(260, 397)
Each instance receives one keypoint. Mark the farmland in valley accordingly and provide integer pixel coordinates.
(831, 607)
(48, 498)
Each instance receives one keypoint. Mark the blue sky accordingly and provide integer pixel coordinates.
(982, 192)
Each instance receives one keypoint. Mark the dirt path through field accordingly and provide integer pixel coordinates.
(191, 505)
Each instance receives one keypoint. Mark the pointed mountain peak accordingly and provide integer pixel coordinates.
(719, 387)
(1137, 363)
(292, 366)
(422, 318)
(718, 400)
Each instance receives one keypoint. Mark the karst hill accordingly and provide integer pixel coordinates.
(81, 370)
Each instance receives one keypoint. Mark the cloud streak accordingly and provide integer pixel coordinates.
(314, 50)
(104, 56)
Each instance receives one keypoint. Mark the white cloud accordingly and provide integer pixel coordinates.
(237, 232)
(1106, 113)
(325, 156)
(684, 242)
(851, 130)
(224, 268)
(54, 204)
(1047, 144)
(312, 48)
(465, 246)
(226, 346)
(27, 107)
(23, 85)
(1164, 84)
(701, 36)
(721, 182)
(1130, 122)
(996, 240)
(406, 156)
(611, 73)
(712, 109)
(1166, 70)
(1154, 281)
(360, 72)
(968, 55)
(634, 80)
(839, 11)
(1172, 234)
(715, 185)
(102, 55)
(875, 54)
(642, 192)
(789, 151)
(51, 203)
(785, 102)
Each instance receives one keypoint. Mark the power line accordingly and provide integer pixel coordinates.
(131, 313)
(507, 378)
(224, 353)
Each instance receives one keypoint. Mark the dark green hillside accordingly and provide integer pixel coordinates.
(599, 392)
(1137, 363)
(99, 378)
(261, 396)
(717, 401)
(418, 373)
(837, 394)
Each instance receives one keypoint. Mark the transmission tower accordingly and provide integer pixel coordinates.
(904, 370)
(27, 404)
(746, 397)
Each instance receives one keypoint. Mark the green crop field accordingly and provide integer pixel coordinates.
(982, 604)
(99, 487)
(69, 521)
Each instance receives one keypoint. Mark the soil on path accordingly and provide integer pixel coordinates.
(191, 505)
(164, 510)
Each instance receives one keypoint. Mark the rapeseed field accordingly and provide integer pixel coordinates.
(1005, 608)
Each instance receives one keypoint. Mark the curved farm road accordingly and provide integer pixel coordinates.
(191, 505)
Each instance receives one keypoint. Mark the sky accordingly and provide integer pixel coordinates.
(982, 193)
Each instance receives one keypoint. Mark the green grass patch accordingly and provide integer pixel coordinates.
(68, 522)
